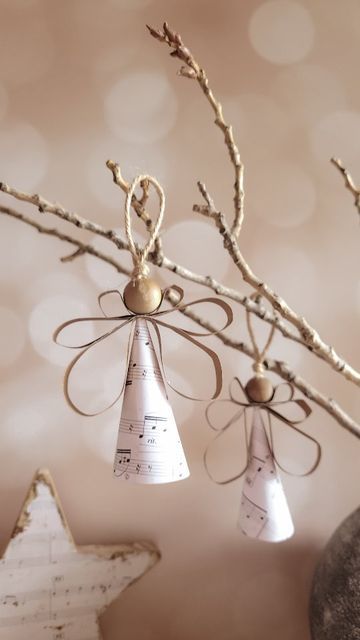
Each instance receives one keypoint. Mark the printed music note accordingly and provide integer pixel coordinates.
(122, 460)
(155, 423)
(255, 514)
(137, 372)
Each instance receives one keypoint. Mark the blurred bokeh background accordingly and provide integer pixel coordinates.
(81, 82)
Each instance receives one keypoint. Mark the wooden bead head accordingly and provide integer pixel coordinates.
(259, 389)
(142, 295)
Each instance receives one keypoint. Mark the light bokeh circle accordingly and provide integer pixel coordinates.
(297, 88)
(286, 199)
(336, 135)
(20, 244)
(281, 31)
(46, 316)
(24, 424)
(198, 245)
(55, 283)
(250, 114)
(12, 336)
(24, 155)
(141, 107)
(35, 427)
(290, 272)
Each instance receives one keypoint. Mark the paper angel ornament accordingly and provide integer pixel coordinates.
(148, 449)
(264, 513)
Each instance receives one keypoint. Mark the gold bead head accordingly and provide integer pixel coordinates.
(259, 389)
(142, 295)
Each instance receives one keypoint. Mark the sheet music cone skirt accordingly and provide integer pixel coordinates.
(264, 513)
(148, 447)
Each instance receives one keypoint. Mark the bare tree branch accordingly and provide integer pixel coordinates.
(81, 247)
(44, 206)
(309, 335)
(276, 366)
(349, 183)
(306, 336)
(162, 261)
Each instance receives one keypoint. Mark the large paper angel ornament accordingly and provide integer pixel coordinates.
(264, 513)
(148, 449)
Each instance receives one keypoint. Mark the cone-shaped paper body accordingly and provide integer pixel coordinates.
(148, 450)
(264, 513)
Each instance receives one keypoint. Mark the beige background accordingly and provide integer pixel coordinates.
(82, 81)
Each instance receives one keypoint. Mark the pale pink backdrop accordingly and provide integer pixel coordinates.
(81, 82)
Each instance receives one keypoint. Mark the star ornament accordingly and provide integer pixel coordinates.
(52, 589)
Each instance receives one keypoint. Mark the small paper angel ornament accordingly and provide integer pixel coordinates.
(264, 513)
(149, 449)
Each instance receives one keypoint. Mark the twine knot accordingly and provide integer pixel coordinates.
(258, 368)
(140, 270)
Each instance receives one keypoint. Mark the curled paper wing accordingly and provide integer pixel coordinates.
(85, 348)
(237, 392)
(282, 418)
(115, 295)
(189, 337)
(222, 429)
(214, 301)
(283, 392)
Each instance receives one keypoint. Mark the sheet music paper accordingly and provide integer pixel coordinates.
(49, 588)
(264, 513)
(148, 449)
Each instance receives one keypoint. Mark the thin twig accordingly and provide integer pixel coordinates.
(58, 210)
(192, 70)
(81, 247)
(349, 183)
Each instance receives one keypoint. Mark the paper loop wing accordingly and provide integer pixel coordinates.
(298, 431)
(221, 431)
(84, 349)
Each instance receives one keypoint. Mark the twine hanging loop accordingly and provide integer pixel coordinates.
(139, 255)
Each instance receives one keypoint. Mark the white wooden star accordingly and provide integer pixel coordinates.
(50, 589)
